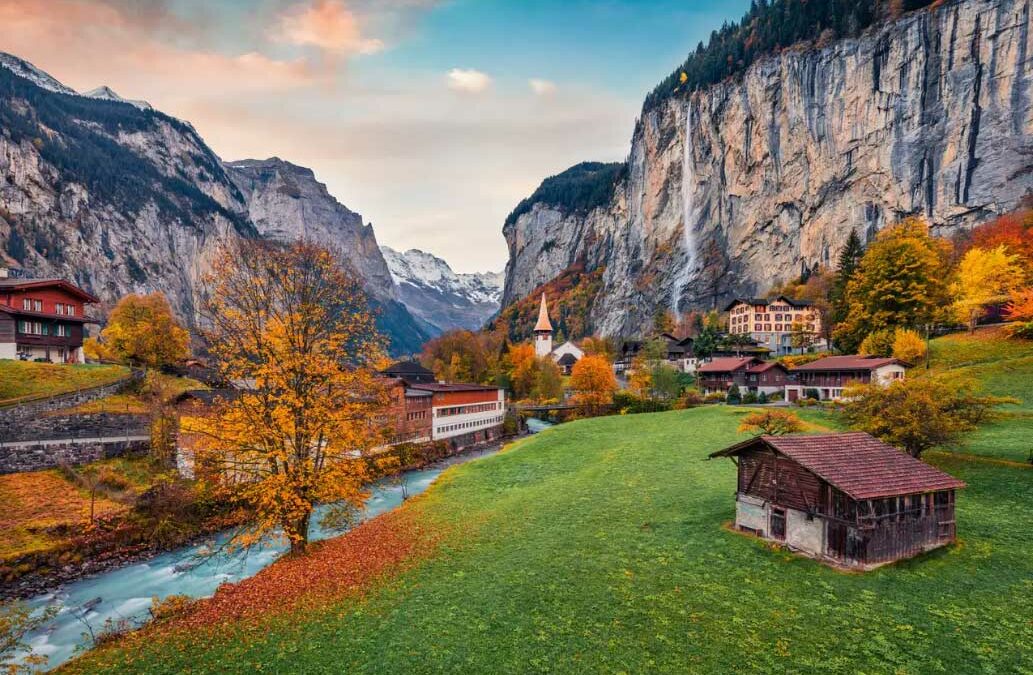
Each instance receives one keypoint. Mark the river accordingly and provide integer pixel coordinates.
(127, 592)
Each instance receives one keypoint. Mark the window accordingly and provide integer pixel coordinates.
(70, 310)
(37, 305)
(61, 330)
(59, 308)
(26, 303)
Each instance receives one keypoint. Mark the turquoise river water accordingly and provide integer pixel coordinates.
(127, 592)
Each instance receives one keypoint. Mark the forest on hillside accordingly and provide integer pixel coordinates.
(767, 28)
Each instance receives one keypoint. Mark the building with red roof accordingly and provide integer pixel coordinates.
(847, 498)
(830, 375)
(749, 373)
(42, 319)
(424, 409)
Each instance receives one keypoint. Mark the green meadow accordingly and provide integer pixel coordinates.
(600, 546)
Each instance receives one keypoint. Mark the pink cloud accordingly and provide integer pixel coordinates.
(326, 24)
(77, 39)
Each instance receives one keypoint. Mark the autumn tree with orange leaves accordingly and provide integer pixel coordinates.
(593, 382)
(296, 327)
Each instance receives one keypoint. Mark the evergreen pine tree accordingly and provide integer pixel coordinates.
(849, 259)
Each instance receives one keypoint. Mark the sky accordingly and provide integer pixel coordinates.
(432, 119)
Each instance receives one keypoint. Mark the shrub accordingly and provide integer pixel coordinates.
(908, 346)
(750, 397)
(762, 398)
(714, 397)
(626, 403)
(776, 396)
(110, 479)
(877, 343)
(772, 423)
(812, 394)
(1022, 331)
(173, 605)
(733, 395)
(691, 399)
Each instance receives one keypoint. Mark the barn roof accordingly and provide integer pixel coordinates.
(67, 286)
(567, 359)
(856, 463)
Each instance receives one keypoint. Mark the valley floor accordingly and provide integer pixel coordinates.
(600, 546)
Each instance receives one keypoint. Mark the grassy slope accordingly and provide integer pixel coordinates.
(19, 379)
(598, 547)
(134, 401)
(1003, 367)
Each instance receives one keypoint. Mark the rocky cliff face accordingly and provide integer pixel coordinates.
(121, 198)
(743, 184)
(116, 198)
(286, 203)
(435, 294)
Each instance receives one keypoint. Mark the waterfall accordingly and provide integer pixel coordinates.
(690, 214)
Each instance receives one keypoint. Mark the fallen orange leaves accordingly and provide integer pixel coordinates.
(330, 570)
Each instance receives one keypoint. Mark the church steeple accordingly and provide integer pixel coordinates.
(543, 331)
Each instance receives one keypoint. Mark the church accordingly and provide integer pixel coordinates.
(566, 355)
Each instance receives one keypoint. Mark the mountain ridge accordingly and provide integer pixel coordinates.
(121, 198)
(436, 294)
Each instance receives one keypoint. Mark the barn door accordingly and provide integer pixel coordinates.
(778, 523)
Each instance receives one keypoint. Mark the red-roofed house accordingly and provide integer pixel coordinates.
(42, 319)
(846, 498)
(828, 376)
(748, 372)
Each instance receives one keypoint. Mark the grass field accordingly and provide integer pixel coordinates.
(1003, 367)
(44, 510)
(36, 503)
(27, 379)
(599, 547)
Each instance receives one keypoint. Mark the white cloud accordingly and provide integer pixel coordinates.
(542, 87)
(468, 80)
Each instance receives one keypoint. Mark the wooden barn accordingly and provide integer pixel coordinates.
(848, 499)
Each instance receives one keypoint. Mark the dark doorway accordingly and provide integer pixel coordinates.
(778, 523)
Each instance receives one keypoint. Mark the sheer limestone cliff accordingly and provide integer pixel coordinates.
(747, 182)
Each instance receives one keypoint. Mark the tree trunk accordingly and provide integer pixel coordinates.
(297, 532)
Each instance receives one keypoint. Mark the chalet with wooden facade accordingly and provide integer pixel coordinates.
(830, 375)
(749, 373)
(42, 319)
(847, 499)
(678, 353)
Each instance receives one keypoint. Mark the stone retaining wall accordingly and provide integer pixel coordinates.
(34, 420)
(14, 459)
(91, 425)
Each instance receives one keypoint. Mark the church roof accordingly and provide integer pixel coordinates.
(543, 325)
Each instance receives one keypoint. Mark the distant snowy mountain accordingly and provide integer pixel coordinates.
(431, 291)
(108, 94)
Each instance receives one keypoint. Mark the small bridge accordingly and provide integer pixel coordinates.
(559, 412)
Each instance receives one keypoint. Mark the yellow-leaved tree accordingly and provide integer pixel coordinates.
(593, 382)
(142, 330)
(985, 276)
(295, 327)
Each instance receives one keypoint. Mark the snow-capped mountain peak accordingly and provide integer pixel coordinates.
(430, 289)
(108, 94)
(24, 69)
